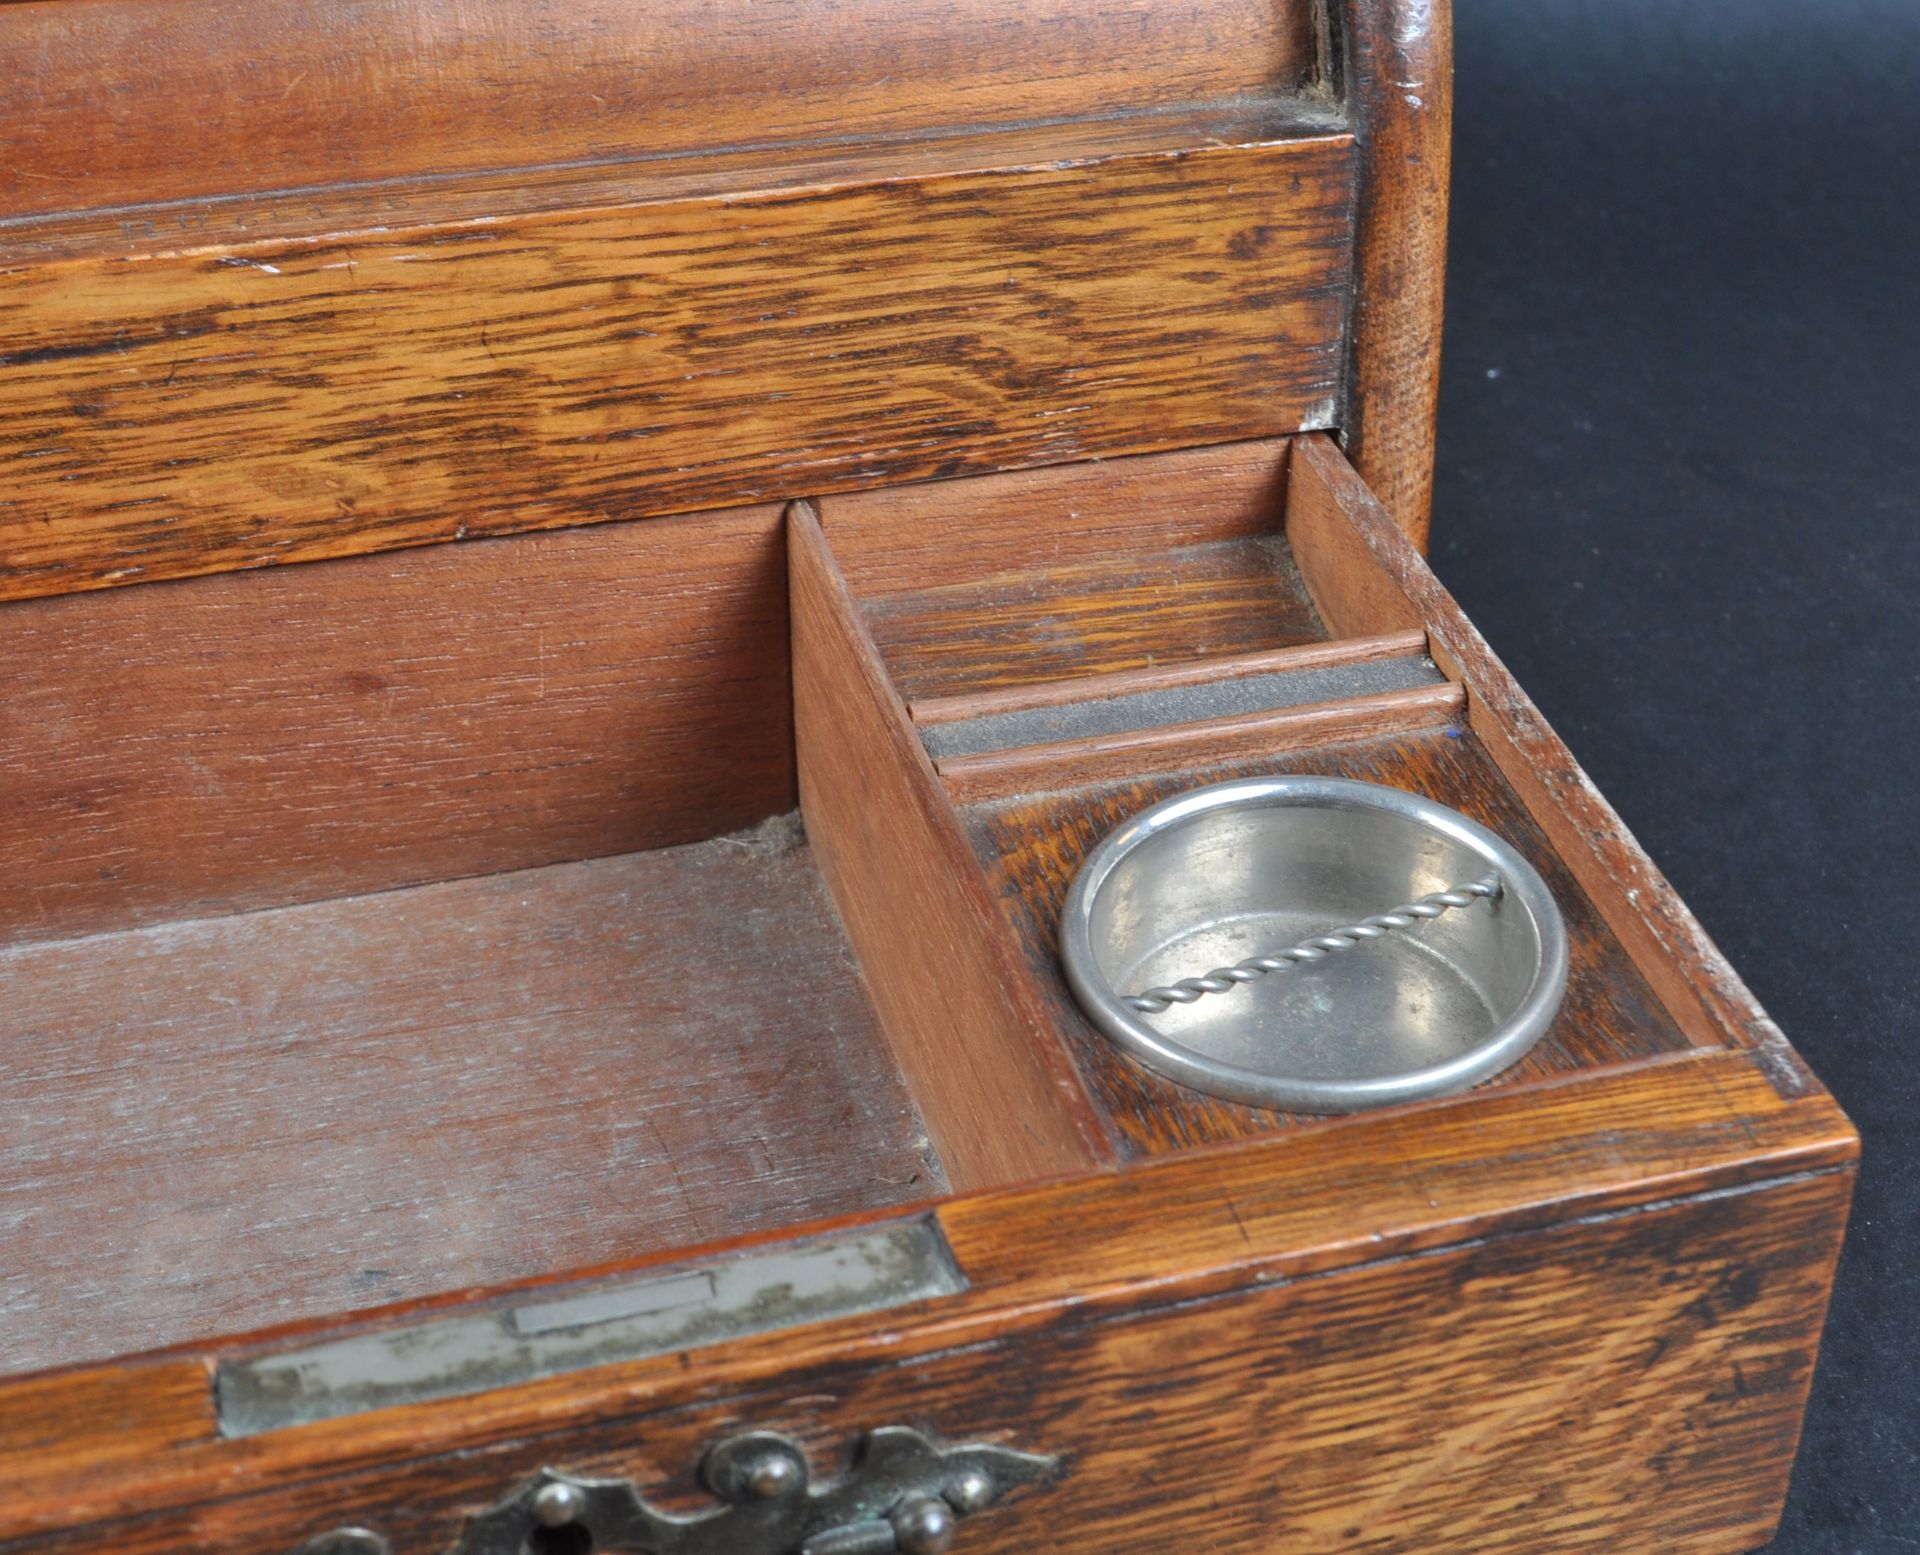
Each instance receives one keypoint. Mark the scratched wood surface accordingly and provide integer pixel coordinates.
(278, 736)
(1034, 846)
(291, 1114)
(286, 400)
(1630, 1384)
(124, 102)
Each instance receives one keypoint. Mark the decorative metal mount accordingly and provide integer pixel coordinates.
(905, 1495)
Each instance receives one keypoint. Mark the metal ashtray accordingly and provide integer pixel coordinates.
(1315, 944)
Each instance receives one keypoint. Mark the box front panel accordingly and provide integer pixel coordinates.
(1630, 1382)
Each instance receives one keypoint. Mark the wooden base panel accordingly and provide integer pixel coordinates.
(280, 1116)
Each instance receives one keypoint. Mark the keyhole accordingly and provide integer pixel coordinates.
(568, 1539)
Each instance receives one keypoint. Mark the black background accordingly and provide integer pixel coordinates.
(1677, 490)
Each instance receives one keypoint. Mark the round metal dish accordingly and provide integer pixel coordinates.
(1212, 877)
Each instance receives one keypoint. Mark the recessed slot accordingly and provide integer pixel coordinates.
(571, 1539)
(1195, 702)
(1201, 672)
(1084, 570)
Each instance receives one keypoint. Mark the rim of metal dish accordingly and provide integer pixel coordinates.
(1162, 1054)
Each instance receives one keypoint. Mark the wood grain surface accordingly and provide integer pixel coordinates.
(1386, 1191)
(1344, 578)
(201, 410)
(1630, 1383)
(66, 1425)
(942, 534)
(1008, 583)
(287, 1115)
(333, 211)
(1034, 847)
(279, 736)
(1095, 616)
(1397, 66)
(998, 1092)
(124, 102)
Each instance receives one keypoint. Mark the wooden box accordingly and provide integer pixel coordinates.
(520, 998)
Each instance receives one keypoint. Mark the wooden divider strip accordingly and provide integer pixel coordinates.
(1164, 677)
(1344, 578)
(1000, 1097)
(1104, 758)
(1350, 548)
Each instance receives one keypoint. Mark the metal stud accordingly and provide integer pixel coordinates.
(771, 1477)
(755, 1466)
(924, 1525)
(557, 1504)
(970, 1492)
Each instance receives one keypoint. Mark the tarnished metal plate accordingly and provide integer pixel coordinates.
(447, 1357)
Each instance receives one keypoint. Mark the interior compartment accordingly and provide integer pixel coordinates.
(504, 911)
(1033, 845)
(271, 1117)
(1070, 731)
(1173, 560)
(406, 924)
(1211, 599)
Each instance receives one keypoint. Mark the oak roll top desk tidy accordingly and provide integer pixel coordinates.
(520, 1030)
